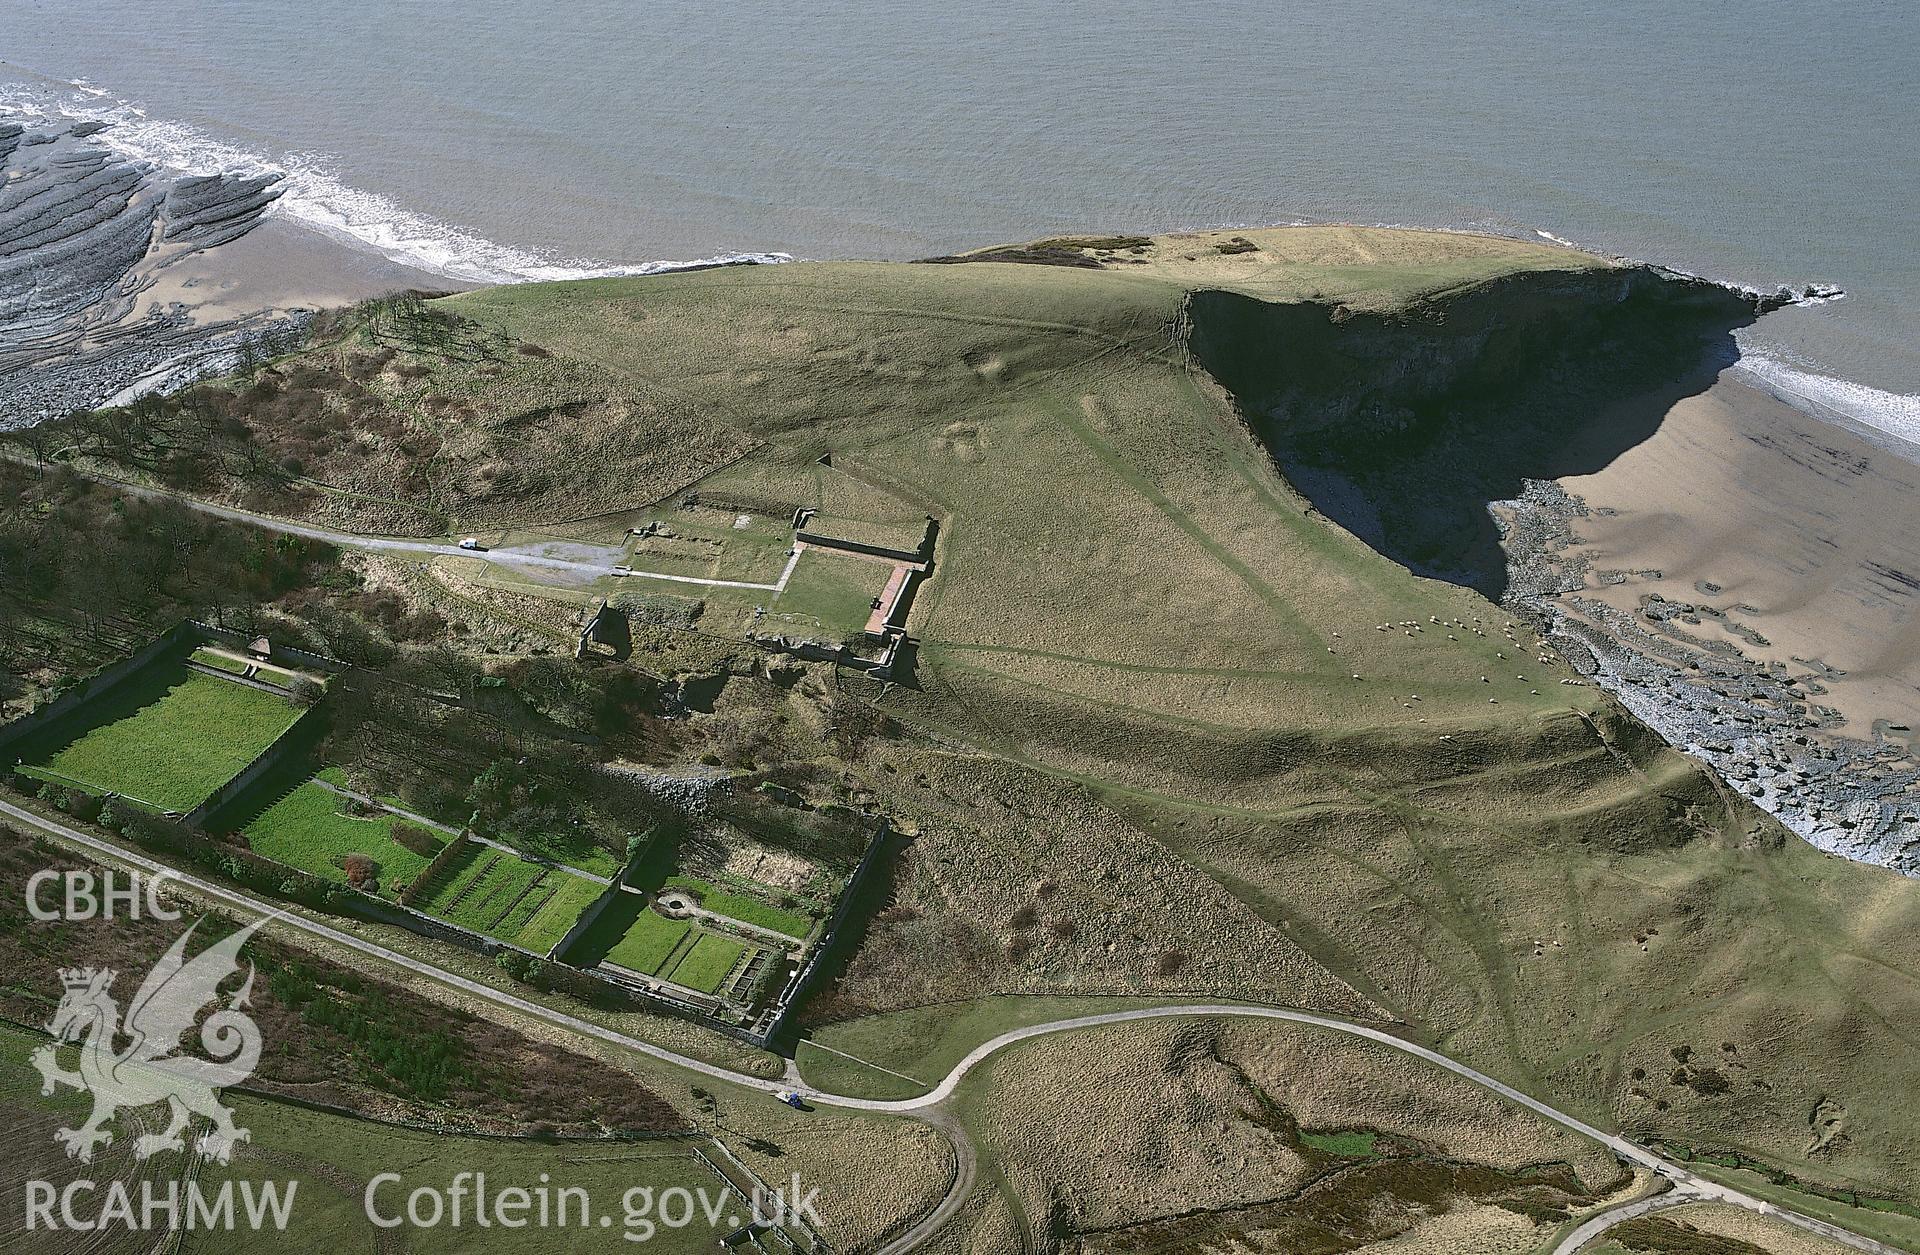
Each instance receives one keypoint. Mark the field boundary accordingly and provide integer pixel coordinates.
(266, 760)
(100, 683)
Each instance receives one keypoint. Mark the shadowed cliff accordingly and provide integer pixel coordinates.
(1402, 426)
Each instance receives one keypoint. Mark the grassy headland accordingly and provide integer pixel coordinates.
(1167, 729)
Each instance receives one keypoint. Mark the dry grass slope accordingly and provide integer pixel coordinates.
(1132, 605)
(1190, 735)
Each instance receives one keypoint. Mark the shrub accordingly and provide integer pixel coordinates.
(1708, 1082)
(416, 839)
(361, 870)
(766, 986)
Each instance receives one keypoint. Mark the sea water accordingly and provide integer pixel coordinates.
(1766, 143)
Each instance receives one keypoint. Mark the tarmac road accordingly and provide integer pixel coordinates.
(929, 1107)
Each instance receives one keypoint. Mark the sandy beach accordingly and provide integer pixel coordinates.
(1800, 533)
(1746, 579)
(283, 265)
(118, 274)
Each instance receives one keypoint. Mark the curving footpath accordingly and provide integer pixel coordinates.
(928, 1107)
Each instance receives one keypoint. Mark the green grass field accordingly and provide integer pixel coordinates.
(747, 910)
(573, 848)
(546, 926)
(1347, 1143)
(219, 662)
(833, 594)
(523, 903)
(648, 942)
(707, 964)
(168, 737)
(309, 828)
(645, 941)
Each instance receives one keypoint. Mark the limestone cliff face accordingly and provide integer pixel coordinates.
(1401, 426)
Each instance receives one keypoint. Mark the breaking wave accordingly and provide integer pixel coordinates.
(314, 196)
(1894, 413)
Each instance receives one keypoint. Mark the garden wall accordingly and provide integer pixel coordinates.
(177, 638)
(448, 852)
(790, 996)
(240, 641)
(265, 761)
(587, 919)
(909, 556)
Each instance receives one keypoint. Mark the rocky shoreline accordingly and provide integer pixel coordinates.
(86, 237)
(103, 265)
(1760, 725)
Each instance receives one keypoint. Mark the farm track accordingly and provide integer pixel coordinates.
(930, 1108)
(585, 572)
(355, 540)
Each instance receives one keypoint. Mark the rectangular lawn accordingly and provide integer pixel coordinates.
(308, 829)
(832, 591)
(746, 909)
(753, 911)
(219, 662)
(648, 942)
(706, 966)
(169, 737)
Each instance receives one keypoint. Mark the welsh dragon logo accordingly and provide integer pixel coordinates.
(150, 1068)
